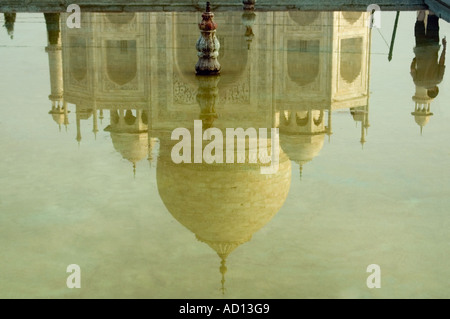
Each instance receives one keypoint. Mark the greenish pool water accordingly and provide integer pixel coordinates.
(358, 183)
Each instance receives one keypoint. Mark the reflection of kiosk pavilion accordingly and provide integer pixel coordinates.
(105, 68)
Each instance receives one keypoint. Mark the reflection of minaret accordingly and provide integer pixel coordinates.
(10, 19)
(129, 134)
(59, 110)
(422, 110)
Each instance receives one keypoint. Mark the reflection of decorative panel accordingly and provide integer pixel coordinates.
(121, 65)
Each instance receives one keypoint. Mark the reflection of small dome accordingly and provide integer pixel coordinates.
(302, 148)
(58, 118)
(132, 147)
(222, 204)
(422, 119)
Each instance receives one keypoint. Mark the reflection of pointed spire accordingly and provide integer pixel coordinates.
(329, 129)
(95, 124)
(301, 171)
(134, 170)
(78, 129)
(421, 130)
(223, 271)
(10, 19)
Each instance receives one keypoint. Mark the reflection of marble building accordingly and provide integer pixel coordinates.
(141, 64)
(290, 74)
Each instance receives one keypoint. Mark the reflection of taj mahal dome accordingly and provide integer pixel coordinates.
(222, 204)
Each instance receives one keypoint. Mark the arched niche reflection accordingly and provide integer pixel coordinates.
(121, 61)
(303, 61)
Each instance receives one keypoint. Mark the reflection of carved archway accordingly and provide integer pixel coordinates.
(121, 60)
(304, 18)
(351, 17)
(78, 58)
(351, 58)
(303, 61)
(120, 18)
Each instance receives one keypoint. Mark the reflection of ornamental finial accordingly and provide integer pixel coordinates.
(207, 45)
(301, 171)
(223, 271)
